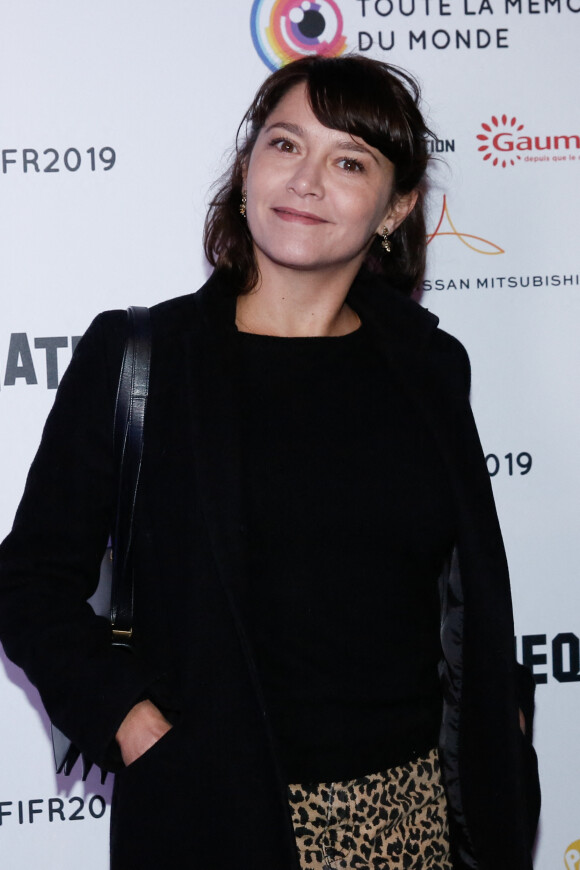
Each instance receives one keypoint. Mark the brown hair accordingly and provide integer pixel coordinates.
(357, 95)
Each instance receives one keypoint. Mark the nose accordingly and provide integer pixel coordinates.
(307, 179)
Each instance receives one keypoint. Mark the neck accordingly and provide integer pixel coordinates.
(293, 303)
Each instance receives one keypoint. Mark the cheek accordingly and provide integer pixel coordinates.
(368, 212)
(262, 174)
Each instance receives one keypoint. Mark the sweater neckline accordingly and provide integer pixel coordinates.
(258, 338)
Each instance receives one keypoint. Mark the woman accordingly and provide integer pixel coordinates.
(322, 598)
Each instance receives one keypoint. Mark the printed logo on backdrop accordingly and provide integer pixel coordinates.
(445, 227)
(21, 366)
(501, 282)
(464, 25)
(284, 30)
(551, 659)
(475, 243)
(572, 856)
(51, 809)
(503, 142)
(51, 161)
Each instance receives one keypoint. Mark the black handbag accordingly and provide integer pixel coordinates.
(115, 591)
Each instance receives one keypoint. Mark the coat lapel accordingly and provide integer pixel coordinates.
(214, 407)
(477, 628)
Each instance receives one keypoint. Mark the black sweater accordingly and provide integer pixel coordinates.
(349, 521)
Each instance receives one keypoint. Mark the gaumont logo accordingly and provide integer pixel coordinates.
(572, 856)
(503, 142)
(285, 30)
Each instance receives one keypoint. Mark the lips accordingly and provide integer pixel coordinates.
(294, 216)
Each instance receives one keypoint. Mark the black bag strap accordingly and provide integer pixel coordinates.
(128, 440)
(128, 445)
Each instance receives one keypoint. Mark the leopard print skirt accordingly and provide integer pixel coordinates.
(385, 821)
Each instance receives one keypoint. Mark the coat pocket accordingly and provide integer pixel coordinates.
(154, 755)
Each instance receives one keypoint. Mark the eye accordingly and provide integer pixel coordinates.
(284, 145)
(349, 164)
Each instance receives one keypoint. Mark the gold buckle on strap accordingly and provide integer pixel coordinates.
(120, 634)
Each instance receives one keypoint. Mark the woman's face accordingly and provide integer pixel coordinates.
(315, 196)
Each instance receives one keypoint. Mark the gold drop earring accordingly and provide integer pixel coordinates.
(243, 204)
(386, 244)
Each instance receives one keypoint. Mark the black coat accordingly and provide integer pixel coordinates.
(209, 794)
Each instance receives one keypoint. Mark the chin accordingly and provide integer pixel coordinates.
(303, 264)
(303, 260)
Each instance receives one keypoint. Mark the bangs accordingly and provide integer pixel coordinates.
(349, 99)
(358, 96)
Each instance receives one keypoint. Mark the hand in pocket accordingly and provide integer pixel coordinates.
(141, 728)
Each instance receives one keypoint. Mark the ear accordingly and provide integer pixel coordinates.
(399, 208)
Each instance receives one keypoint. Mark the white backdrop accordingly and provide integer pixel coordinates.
(114, 119)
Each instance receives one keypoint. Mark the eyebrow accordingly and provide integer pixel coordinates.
(347, 144)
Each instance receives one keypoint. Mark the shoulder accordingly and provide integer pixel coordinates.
(109, 328)
(211, 309)
(412, 334)
(98, 354)
(208, 311)
(175, 315)
(450, 361)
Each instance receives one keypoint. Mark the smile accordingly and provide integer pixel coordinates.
(301, 217)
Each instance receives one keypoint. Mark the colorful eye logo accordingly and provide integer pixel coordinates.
(285, 30)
